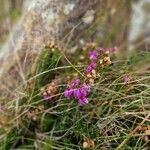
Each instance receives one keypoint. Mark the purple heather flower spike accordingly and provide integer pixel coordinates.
(77, 94)
(68, 92)
(93, 65)
(93, 55)
(85, 86)
(83, 92)
(76, 82)
(88, 69)
(83, 101)
(100, 50)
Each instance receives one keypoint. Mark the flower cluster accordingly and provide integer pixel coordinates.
(50, 91)
(90, 67)
(77, 91)
(97, 57)
(51, 45)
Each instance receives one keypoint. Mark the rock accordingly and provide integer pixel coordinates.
(139, 32)
(41, 22)
(88, 17)
(66, 22)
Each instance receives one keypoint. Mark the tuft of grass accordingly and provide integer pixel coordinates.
(117, 116)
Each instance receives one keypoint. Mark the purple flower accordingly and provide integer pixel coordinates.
(83, 101)
(47, 98)
(126, 79)
(76, 82)
(93, 65)
(83, 92)
(88, 69)
(77, 94)
(86, 87)
(68, 92)
(93, 55)
(100, 50)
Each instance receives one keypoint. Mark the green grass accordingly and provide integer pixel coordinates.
(111, 119)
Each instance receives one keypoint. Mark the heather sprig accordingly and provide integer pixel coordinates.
(90, 67)
(79, 91)
(79, 88)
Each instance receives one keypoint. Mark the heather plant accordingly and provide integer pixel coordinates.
(80, 91)
(98, 102)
